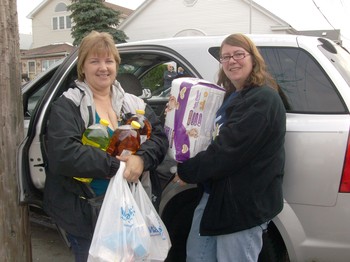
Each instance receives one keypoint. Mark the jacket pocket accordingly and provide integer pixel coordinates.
(95, 204)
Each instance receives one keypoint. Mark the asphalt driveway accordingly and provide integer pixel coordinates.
(47, 245)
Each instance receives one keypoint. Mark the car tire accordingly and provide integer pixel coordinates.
(177, 217)
(274, 249)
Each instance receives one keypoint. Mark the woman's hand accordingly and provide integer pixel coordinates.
(133, 167)
(179, 181)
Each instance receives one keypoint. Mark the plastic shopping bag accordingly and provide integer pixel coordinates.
(121, 234)
(160, 241)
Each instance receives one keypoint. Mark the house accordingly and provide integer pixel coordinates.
(51, 35)
(36, 60)
(171, 18)
(51, 22)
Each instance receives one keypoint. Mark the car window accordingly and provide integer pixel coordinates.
(303, 81)
(150, 76)
(32, 93)
(149, 68)
(34, 98)
(305, 86)
(153, 79)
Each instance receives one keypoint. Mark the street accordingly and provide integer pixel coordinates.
(47, 245)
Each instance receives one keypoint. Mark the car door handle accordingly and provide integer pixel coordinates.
(40, 165)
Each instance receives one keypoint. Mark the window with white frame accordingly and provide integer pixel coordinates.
(45, 64)
(31, 69)
(61, 21)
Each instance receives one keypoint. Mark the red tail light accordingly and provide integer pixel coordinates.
(345, 180)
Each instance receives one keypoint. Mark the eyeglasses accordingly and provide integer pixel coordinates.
(235, 56)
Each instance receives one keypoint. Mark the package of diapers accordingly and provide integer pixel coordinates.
(190, 114)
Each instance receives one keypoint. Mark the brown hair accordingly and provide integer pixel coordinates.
(259, 75)
(97, 43)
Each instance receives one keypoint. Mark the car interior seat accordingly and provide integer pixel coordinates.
(130, 83)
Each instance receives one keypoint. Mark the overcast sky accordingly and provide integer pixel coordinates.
(300, 14)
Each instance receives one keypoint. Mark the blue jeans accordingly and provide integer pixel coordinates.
(80, 247)
(242, 246)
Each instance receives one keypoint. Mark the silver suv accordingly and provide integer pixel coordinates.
(314, 74)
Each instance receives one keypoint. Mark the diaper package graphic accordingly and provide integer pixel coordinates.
(190, 115)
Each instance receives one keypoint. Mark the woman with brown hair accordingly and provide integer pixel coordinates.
(241, 172)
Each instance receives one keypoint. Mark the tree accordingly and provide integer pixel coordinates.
(154, 79)
(14, 221)
(89, 15)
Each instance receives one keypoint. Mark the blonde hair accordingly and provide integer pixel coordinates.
(96, 43)
(259, 75)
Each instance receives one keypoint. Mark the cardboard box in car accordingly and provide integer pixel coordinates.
(190, 114)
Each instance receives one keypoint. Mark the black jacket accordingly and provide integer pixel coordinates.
(244, 165)
(64, 197)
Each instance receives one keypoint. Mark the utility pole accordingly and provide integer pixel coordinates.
(14, 221)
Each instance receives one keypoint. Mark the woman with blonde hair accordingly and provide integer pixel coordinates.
(96, 94)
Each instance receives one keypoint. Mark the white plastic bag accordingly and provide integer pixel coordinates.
(121, 234)
(160, 240)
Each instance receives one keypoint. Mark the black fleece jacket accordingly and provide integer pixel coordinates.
(244, 165)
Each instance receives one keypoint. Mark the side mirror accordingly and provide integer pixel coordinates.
(146, 93)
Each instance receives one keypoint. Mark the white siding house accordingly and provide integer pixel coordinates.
(51, 23)
(170, 18)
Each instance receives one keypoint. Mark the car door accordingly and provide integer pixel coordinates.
(31, 153)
